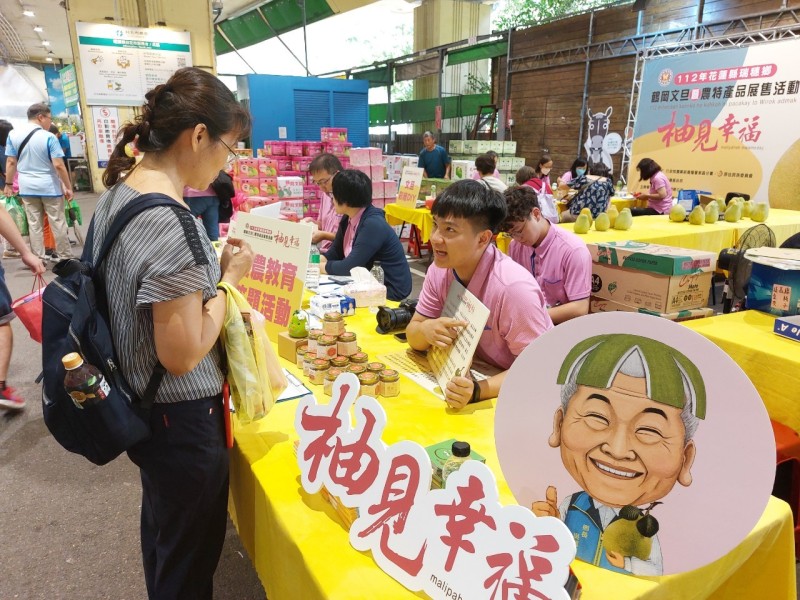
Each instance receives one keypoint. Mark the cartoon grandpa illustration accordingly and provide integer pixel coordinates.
(629, 409)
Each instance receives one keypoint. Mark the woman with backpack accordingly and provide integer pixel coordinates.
(166, 310)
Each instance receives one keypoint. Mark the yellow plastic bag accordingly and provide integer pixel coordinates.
(254, 374)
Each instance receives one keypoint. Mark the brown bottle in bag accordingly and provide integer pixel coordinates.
(84, 383)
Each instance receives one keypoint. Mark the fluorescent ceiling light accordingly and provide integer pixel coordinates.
(38, 29)
(49, 59)
(45, 43)
(28, 13)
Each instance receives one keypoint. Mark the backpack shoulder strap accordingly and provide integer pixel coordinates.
(133, 208)
(25, 142)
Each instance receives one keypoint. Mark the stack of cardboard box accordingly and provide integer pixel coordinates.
(371, 162)
(464, 153)
(673, 283)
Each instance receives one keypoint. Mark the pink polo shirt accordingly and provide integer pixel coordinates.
(518, 314)
(562, 265)
(477, 176)
(660, 180)
(350, 232)
(328, 219)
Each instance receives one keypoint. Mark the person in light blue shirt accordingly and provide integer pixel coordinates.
(433, 159)
(36, 155)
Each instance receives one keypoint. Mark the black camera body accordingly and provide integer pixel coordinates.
(396, 319)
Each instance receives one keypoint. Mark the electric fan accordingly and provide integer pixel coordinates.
(738, 267)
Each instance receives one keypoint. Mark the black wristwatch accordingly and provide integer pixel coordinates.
(476, 392)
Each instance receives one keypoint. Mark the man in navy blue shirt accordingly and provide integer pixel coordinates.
(433, 159)
(364, 237)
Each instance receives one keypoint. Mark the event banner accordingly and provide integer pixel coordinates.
(723, 121)
(69, 85)
(275, 284)
(410, 184)
(119, 64)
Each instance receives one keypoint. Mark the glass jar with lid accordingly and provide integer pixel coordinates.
(326, 346)
(369, 383)
(330, 377)
(390, 383)
(348, 344)
(333, 323)
(319, 367)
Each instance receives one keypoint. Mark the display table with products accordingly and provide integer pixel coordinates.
(420, 218)
(771, 362)
(620, 203)
(658, 229)
(300, 549)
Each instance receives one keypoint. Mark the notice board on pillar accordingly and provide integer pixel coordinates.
(723, 121)
(120, 64)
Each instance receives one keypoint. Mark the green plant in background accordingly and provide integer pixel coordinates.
(518, 13)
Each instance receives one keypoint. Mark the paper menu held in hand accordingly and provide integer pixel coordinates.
(463, 305)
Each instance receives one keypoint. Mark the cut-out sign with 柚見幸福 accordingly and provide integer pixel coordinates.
(458, 542)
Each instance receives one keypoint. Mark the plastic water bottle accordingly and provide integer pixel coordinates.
(459, 453)
(433, 192)
(84, 383)
(377, 271)
(312, 273)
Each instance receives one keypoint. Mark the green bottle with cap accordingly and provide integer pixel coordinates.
(84, 382)
(459, 453)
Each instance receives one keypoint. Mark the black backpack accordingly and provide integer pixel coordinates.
(223, 188)
(75, 319)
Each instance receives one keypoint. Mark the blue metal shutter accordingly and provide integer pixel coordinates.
(351, 110)
(311, 112)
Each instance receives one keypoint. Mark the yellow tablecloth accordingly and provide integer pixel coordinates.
(421, 217)
(771, 362)
(301, 551)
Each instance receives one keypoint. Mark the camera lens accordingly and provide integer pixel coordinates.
(395, 319)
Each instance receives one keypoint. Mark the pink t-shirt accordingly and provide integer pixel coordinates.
(350, 232)
(518, 314)
(567, 177)
(561, 265)
(193, 193)
(477, 176)
(328, 219)
(657, 181)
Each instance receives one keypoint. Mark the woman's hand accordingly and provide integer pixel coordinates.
(235, 265)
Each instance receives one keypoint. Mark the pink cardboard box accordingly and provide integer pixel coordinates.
(294, 148)
(362, 168)
(389, 189)
(267, 167)
(375, 157)
(258, 201)
(377, 190)
(376, 173)
(295, 206)
(249, 186)
(345, 160)
(301, 163)
(312, 192)
(333, 134)
(247, 168)
(379, 202)
(312, 148)
(283, 163)
(275, 148)
(268, 186)
(360, 157)
(311, 214)
(300, 174)
(338, 148)
(291, 187)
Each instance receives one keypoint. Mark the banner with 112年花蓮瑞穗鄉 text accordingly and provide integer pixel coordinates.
(723, 121)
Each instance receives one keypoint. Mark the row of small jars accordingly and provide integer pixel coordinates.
(329, 346)
(374, 381)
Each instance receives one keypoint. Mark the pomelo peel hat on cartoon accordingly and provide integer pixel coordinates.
(598, 360)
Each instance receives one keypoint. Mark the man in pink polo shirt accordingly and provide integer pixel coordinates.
(466, 216)
(322, 170)
(558, 259)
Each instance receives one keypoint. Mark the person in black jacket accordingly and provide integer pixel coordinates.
(364, 236)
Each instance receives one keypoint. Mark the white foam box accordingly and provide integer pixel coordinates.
(509, 178)
(504, 163)
(294, 206)
(598, 305)
(322, 303)
(476, 146)
(393, 163)
(456, 146)
(517, 162)
(290, 187)
(496, 146)
(462, 169)
(509, 148)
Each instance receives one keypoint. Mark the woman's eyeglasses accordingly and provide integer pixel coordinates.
(232, 156)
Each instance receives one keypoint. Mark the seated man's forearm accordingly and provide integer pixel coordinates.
(570, 310)
(415, 337)
(490, 388)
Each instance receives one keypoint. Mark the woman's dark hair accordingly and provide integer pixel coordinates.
(485, 164)
(524, 174)
(520, 200)
(352, 188)
(578, 162)
(5, 127)
(473, 200)
(647, 168)
(546, 158)
(190, 97)
(54, 129)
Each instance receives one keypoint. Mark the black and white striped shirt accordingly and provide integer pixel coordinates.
(151, 261)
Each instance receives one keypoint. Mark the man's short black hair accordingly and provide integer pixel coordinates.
(325, 162)
(485, 164)
(352, 188)
(520, 202)
(34, 110)
(473, 200)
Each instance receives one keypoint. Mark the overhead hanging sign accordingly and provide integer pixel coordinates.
(69, 85)
(120, 64)
(723, 121)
